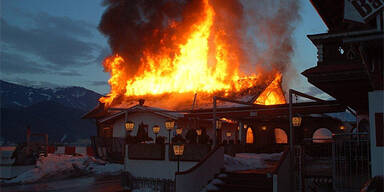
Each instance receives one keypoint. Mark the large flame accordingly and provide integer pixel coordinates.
(203, 63)
(273, 94)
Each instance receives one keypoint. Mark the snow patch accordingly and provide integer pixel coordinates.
(247, 161)
(57, 165)
(78, 94)
(212, 185)
(18, 104)
(46, 95)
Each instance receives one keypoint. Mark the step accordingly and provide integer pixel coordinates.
(243, 188)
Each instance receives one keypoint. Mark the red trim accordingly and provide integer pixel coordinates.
(69, 150)
(90, 151)
(51, 149)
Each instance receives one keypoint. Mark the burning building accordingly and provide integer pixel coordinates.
(178, 54)
(213, 68)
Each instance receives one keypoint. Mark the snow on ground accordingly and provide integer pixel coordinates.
(247, 161)
(59, 165)
(242, 161)
(212, 185)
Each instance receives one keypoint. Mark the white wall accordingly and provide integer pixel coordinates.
(162, 169)
(376, 105)
(147, 118)
(195, 180)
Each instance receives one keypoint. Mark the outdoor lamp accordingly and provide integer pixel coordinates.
(178, 150)
(156, 129)
(218, 124)
(198, 132)
(129, 125)
(264, 128)
(342, 127)
(179, 130)
(296, 121)
(169, 125)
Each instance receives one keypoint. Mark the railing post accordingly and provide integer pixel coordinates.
(215, 138)
(334, 164)
(291, 149)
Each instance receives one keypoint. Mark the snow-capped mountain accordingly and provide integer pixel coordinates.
(56, 112)
(13, 95)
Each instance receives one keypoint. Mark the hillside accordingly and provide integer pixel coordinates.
(54, 111)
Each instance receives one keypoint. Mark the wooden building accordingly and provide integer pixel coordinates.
(350, 65)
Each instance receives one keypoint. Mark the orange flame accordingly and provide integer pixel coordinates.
(273, 94)
(203, 63)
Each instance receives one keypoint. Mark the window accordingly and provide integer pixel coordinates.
(322, 135)
(249, 138)
(280, 136)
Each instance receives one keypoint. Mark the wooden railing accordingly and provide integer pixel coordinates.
(111, 149)
(146, 151)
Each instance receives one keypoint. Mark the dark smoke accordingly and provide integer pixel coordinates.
(136, 25)
(262, 29)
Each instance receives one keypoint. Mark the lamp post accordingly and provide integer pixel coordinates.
(129, 125)
(179, 130)
(228, 134)
(198, 132)
(218, 127)
(264, 128)
(169, 125)
(156, 130)
(178, 150)
(296, 121)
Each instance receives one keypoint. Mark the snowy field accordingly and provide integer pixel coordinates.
(59, 166)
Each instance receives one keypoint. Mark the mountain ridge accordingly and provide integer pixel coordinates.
(55, 111)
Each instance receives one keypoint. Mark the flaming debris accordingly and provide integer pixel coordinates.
(177, 48)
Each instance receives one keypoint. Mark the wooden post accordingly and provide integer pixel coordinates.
(28, 138)
(215, 137)
(46, 145)
(291, 149)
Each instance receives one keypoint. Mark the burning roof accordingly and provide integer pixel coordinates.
(166, 51)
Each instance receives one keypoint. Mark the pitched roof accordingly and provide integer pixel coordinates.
(142, 108)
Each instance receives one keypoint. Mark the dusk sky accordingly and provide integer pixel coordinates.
(56, 43)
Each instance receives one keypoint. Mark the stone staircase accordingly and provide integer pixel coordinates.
(243, 182)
